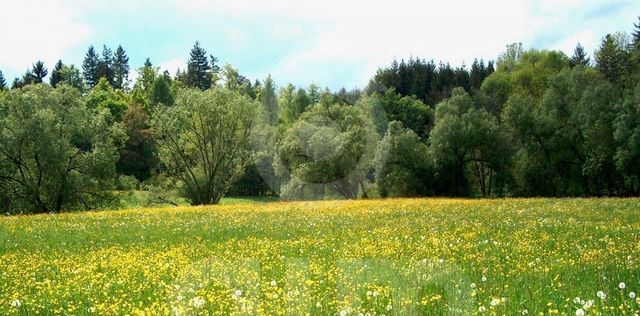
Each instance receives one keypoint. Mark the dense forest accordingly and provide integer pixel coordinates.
(531, 123)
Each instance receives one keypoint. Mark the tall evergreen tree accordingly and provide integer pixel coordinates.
(17, 83)
(105, 65)
(580, 57)
(269, 101)
(198, 69)
(38, 72)
(120, 68)
(3, 82)
(56, 74)
(612, 59)
(636, 35)
(90, 67)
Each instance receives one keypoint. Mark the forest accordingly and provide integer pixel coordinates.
(534, 122)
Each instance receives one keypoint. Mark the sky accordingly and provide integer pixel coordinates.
(332, 43)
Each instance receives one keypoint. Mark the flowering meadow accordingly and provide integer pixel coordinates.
(368, 257)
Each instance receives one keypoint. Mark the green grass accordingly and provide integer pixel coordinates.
(398, 256)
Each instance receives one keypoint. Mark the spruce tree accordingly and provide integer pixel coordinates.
(636, 35)
(3, 82)
(198, 69)
(56, 74)
(17, 83)
(38, 72)
(579, 57)
(120, 68)
(105, 65)
(90, 67)
(612, 59)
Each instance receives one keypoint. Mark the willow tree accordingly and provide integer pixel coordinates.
(204, 141)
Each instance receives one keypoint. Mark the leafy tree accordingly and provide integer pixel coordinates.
(327, 153)
(580, 57)
(293, 103)
(627, 135)
(269, 101)
(162, 92)
(90, 67)
(144, 86)
(71, 75)
(120, 68)
(199, 73)
(55, 154)
(204, 141)
(390, 106)
(138, 156)
(56, 74)
(464, 136)
(103, 96)
(38, 72)
(402, 164)
(3, 82)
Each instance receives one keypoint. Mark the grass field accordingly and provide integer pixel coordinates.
(403, 256)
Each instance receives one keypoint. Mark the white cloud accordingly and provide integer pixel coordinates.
(173, 65)
(37, 30)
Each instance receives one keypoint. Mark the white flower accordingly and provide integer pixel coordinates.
(632, 295)
(622, 285)
(389, 307)
(318, 305)
(601, 295)
(91, 310)
(274, 283)
(484, 278)
(482, 309)
(576, 300)
(197, 302)
(588, 304)
(473, 285)
(369, 293)
(275, 295)
(495, 302)
(375, 293)
(580, 312)
(343, 313)
(525, 312)
(16, 303)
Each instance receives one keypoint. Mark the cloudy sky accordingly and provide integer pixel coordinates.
(332, 43)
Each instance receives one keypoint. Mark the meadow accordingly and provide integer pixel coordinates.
(366, 257)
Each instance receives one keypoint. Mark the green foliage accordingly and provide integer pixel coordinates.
(56, 76)
(103, 96)
(627, 134)
(161, 92)
(120, 68)
(38, 72)
(580, 57)
(612, 58)
(55, 154)
(402, 164)
(138, 155)
(327, 152)
(3, 82)
(204, 140)
(199, 74)
(90, 67)
(408, 110)
(269, 101)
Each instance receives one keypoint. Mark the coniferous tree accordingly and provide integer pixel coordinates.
(38, 72)
(580, 57)
(636, 35)
(56, 74)
(90, 67)
(17, 83)
(612, 59)
(198, 69)
(3, 82)
(269, 101)
(105, 65)
(120, 68)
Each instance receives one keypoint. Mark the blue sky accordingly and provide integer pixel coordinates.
(331, 43)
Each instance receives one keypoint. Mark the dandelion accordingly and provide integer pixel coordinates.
(274, 283)
(375, 293)
(318, 305)
(16, 303)
(495, 302)
(482, 309)
(91, 310)
(343, 313)
(632, 295)
(580, 312)
(588, 304)
(525, 312)
(275, 296)
(601, 295)
(473, 285)
(484, 278)
(576, 300)
(622, 286)
(369, 293)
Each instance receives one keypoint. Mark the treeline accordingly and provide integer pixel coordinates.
(532, 123)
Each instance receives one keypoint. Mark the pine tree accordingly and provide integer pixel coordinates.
(90, 67)
(120, 68)
(17, 83)
(198, 69)
(269, 100)
(580, 57)
(612, 59)
(38, 72)
(56, 74)
(636, 35)
(3, 83)
(105, 65)
(147, 63)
